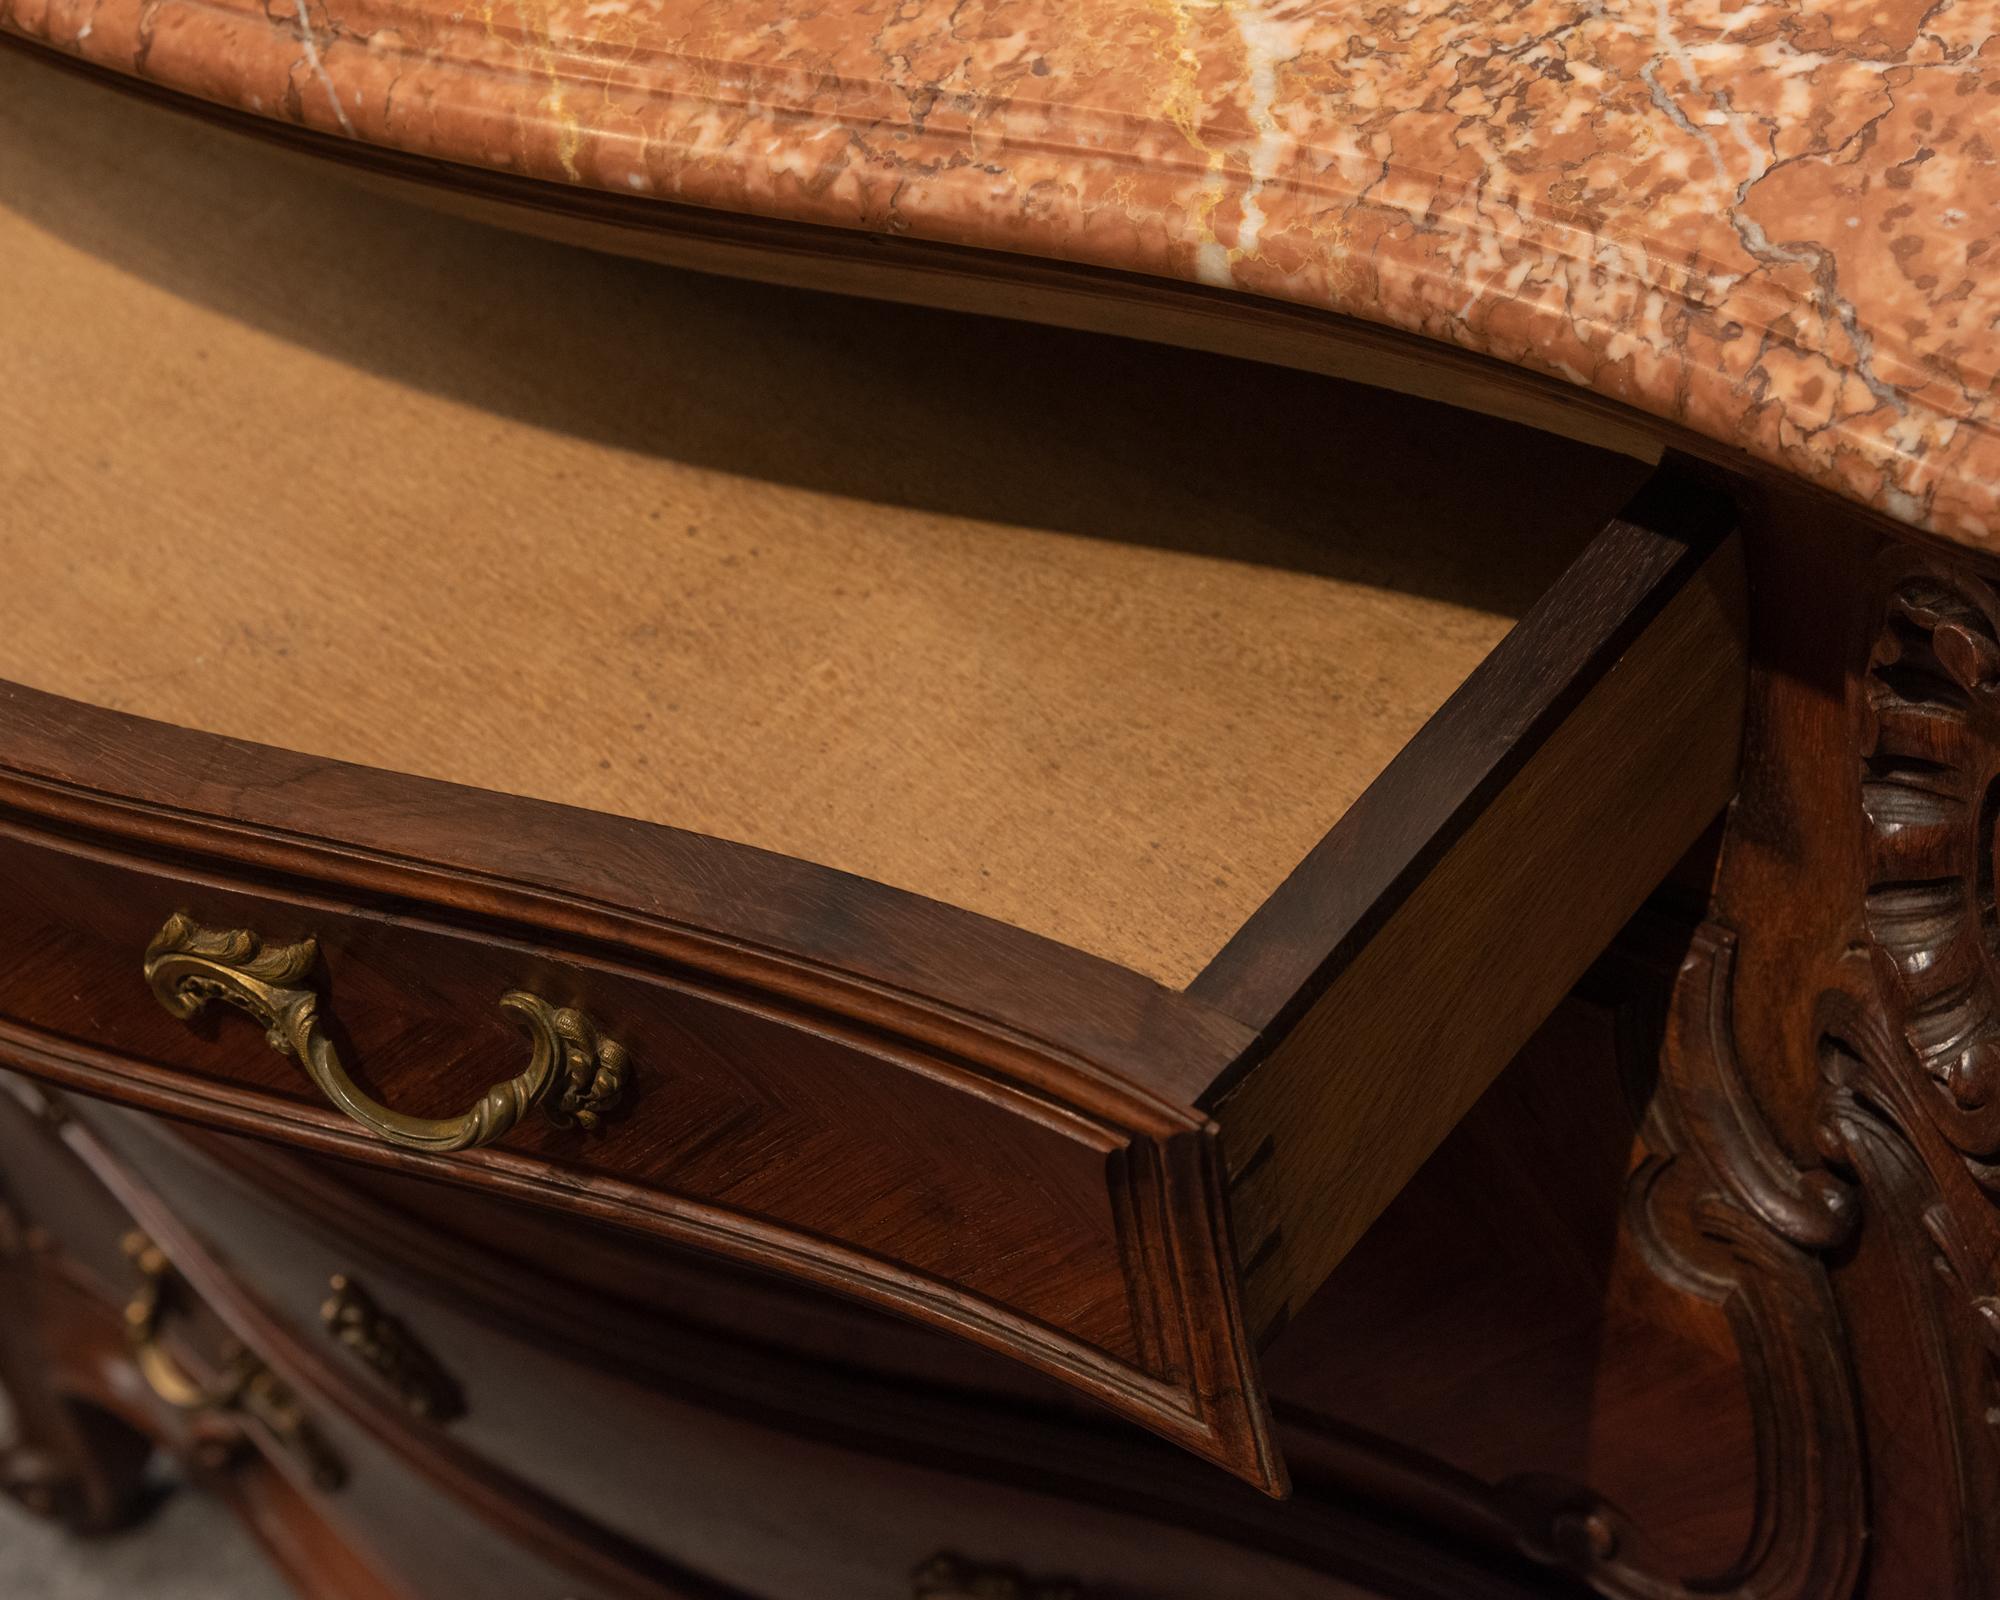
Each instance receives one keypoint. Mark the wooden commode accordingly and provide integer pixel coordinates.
(805, 807)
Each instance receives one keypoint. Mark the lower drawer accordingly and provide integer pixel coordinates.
(430, 1543)
(492, 1425)
(140, 1325)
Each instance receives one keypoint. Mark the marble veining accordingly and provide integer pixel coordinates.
(1769, 222)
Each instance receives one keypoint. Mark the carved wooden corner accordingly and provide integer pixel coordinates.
(1909, 1029)
(1718, 1209)
(1837, 1193)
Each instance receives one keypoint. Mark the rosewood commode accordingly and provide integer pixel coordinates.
(673, 938)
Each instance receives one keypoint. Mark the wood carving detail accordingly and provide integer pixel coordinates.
(1946, 1239)
(1720, 1211)
(1909, 1027)
(383, 1344)
(1930, 739)
(1930, 790)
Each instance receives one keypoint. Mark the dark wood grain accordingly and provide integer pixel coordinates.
(1400, 1020)
(731, 1114)
(878, 1093)
(1723, 1212)
(739, 912)
(1282, 959)
(1022, 1036)
(1515, 1333)
(1473, 1332)
(1500, 1317)
(1111, 1188)
(1018, 1486)
(1823, 1166)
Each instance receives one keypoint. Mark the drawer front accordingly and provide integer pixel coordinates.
(754, 1509)
(428, 1542)
(203, 1372)
(422, 1540)
(1122, 1186)
(49, 1187)
(765, 1121)
(848, 1155)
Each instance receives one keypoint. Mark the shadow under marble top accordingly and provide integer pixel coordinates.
(1770, 223)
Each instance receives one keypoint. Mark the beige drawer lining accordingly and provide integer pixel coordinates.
(865, 585)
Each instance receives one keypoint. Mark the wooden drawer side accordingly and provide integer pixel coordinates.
(1355, 1088)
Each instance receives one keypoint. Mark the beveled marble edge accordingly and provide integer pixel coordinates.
(1763, 225)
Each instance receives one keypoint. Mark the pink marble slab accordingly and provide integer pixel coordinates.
(1772, 223)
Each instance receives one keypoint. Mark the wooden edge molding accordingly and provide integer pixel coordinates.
(1111, 1037)
(1450, 983)
(1357, 1489)
(1197, 1386)
(1368, 1511)
(595, 1553)
(1719, 1209)
(1011, 1019)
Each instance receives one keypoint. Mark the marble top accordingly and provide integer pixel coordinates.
(1767, 222)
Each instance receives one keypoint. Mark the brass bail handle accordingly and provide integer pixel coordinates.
(574, 1074)
(246, 1388)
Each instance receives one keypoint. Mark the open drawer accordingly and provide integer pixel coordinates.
(1037, 833)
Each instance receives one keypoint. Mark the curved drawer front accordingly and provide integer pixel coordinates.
(844, 1149)
(432, 1543)
(212, 1376)
(1016, 1141)
(754, 1508)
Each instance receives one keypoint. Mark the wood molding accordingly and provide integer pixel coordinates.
(1719, 1210)
(1853, 899)
(1907, 1027)
(1094, 1055)
(746, 915)
(1373, 1516)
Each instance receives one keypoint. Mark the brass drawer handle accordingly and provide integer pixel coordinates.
(246, 1388)
(382, 1342)
(573, 1074)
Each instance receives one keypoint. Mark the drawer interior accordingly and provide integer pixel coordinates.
(1197, 681)
(1093, 637)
